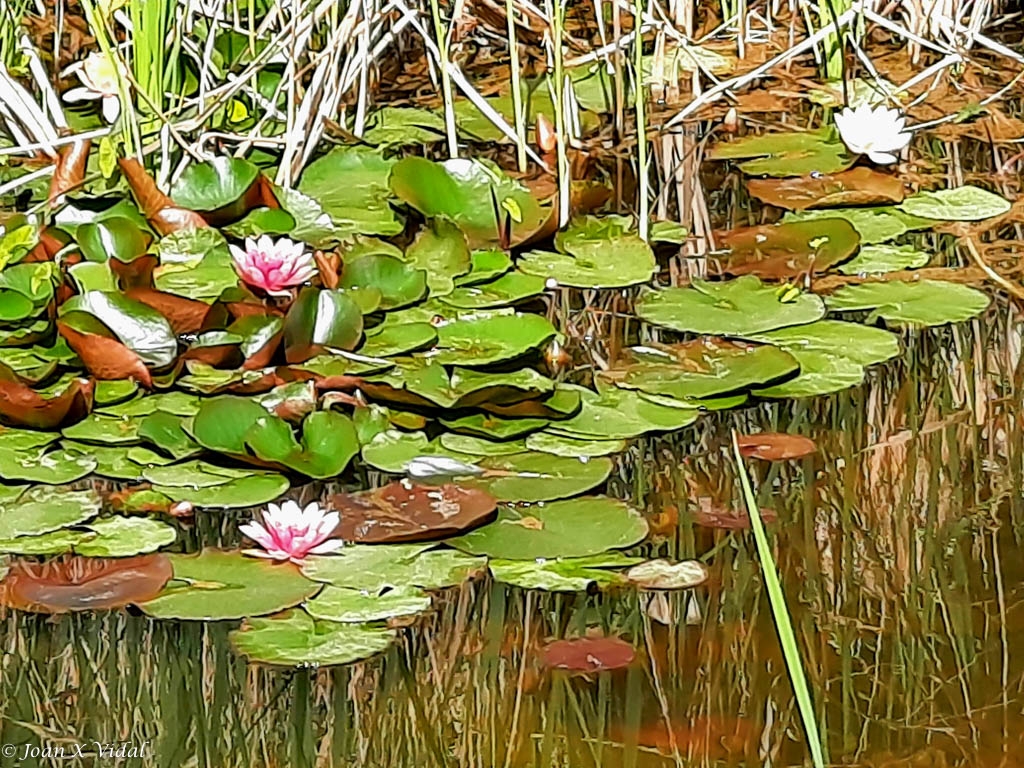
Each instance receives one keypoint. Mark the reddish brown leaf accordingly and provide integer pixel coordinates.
(775, 446)
(48, 246)
(711, 515)
(786, 250)
(84, 583)
(221, 356)
(105, 358)
(162, 212)
(137, 273)
(22, 406)
(184, 315)
(266, 196)
(588, 654)
(262, 357)
(328, 264)
(69, 172)
(858, 186)
(401, 512)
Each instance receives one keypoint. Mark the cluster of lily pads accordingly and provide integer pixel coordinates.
(209, 347)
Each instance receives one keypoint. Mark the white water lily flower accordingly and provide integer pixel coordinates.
(877, 132)
(273, 265)
(98, 74)
(440, 467)
(290, 533)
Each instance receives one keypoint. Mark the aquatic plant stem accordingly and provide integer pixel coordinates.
(446, 81)
(780, 612)
(518, 108)
(556, 11)
(641, 123)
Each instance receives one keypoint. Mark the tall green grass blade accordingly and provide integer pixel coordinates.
(780, 612)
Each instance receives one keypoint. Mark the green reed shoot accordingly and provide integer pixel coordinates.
(446, 82)
(780, 612)
(518, 108)
(641, 120)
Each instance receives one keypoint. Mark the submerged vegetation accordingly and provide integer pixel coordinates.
(322, 340)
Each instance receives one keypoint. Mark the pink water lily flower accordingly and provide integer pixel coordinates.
(273, 266)
(290, 533)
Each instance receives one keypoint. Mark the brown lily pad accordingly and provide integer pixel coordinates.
(184, 315)
(84, 583)
(105, 358)
(775, 446)
(69, 171)
(402, 511)
(711, 515)
(163, 213)
(776, 251)
(22, 406)
(858, 186)
(588, 654)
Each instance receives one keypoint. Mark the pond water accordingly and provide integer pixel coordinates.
(899, 551)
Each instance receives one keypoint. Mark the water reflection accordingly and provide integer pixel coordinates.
(898, 544)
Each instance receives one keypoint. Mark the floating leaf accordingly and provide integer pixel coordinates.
(222, 189)
(560, 529)
(294, 639)
(116, 237)
(965, 203)
(39, 510)
(874, 225)
(573, 574)
(786, 154)
(775, 446)
(212, 487)
(569, 446)
(879, 259)
(377, 567)
(106, 537)
(860, 343)
(320, 319)
(404, 126)
(215, 585)
(402, 511)
(664, 574)
(487, 265)
(510, 288)
(857, 186)
(39, 466)
(399, 283)
(595, 252)
(387, 341)
(488, 340)
(532, 477)
(196, 264)
(351, 185)
(469, 193)
(487, 425)
(821, 373)
(84, 584)
(441, 253)
(589, 654)
(786, 250)
(141, 329)
(355, 606)
(618, 414)
(23, 406)
(737, 307)
(920, 303)
(705, 367)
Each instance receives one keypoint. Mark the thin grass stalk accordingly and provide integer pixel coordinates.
(446, 82)
(556, 11)
(130, 133)
(780, 612)
(641, 123)
(518, 108)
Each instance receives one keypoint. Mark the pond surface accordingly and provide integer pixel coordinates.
(899, 550)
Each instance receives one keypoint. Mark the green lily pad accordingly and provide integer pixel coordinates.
(176, 403)
(404, 126)
(351, 185)
(488, 340)
(140, 328)
(595, 252)
(705, 367)
(920, 303)
(786, 250)
(120, 462)
(559, 445)
(786, 154)
(42, 466)
(619, 414)
(510, 288)
(115, 536)
(355, 606)
(115, 237)
(480, 446)
(821, 373)
(211, 487)
(214, 585)
(532, 477)
(491, 427)
(297, 640)
(215, 185)
(441, 253)
(392, 449)
(106, 430)
(312, 224)
(967, 203)
(732, 308)
(487, 265)
(24, 439)
(879, 259)
(399, 283)
(39, 510)
(320, 319)
(262, 221)
(196, 264)
(387, 341)
(111, 392)
(580, 527)
(376, 567)
(862, 344)
(572, 574)
(877, 224)
(467, 192)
